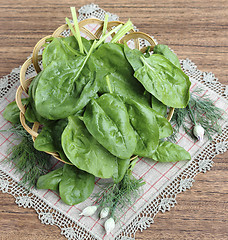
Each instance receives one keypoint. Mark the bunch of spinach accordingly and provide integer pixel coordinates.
(94, 101)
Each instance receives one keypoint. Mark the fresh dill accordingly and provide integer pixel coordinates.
(116, 196)
(28, 161)
(200, 110)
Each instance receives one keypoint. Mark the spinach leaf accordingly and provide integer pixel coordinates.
(44, 141)
(50, 180)
(165, 127)
(85, 152)
(49, 139)
(73, 43)
(123, 165)
(147, 114)
(31, 114)
(88, 92)
(107, 120)
(76, 185)
(33, 85)
(133, 56)
(111, 61)
(143, 120)
(158, 106)
(167, 53)
(60, 86)
(63, 49)
(54, 51)
(12, 112)
(170, 152)
(164, 80)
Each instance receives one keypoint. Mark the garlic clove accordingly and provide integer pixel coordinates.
(88, 211)
(198, 132)
(104, 212)
(109, 225)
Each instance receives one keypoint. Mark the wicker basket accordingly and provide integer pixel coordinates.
(36, 58)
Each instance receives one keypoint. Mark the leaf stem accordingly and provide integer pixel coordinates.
(108, 83)
(132, 163)
(75, 20)
(71, 49)
(49, 39)
(125, 28)
(105, 24)
(107, 35)
(86, 59)
(76, 31)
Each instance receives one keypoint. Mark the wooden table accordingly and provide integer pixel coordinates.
(197, 30)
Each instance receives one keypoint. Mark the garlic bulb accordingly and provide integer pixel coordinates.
(198, 132)
(109, 225)
(104, 212)
(88, 211)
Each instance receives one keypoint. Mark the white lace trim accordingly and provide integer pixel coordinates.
(167, 197)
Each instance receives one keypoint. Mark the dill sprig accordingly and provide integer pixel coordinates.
(200, 110)
(19, 131)
(116, 196)
(28, 161)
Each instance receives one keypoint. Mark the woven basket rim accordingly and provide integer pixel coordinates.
(34, 60)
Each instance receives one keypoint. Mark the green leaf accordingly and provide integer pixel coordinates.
(88, 92)
(170, 152)
(110, 60)
(158, 106)
(63, 49)
(147, 114)
(134, 57)
(164, 80)
(50, 180)
(12, 112)
(85, 152)
(165, 127)
(49, 139)
(76, 185)
(167, 53)
(123, 165)
(56, 51)
(143, 120)
(44, 141)
(61, 85)
(107, 120)
(31, 113)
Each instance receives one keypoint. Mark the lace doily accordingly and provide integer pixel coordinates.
(163, 181)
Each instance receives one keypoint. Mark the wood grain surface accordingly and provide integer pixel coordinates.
(197, 30)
